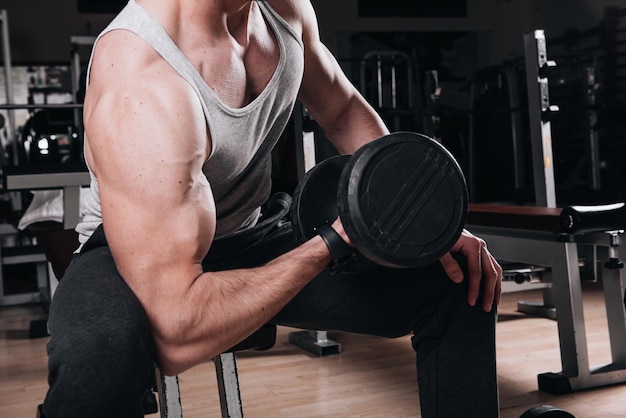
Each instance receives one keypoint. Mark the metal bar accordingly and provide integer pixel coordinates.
(471, 147)
(517, 141)
(613, 283)
(298, 131)
(567, 293)
(537, 248)
(540, 130)
(592, 118)
(71, 206)
(169, 395)
(75, 43)
(6, 54)
(305, 160)
(394, 95)
(228, 385)
(40, 106)
(315, 342)
(379, 79)
(616, 315)
(46, 180)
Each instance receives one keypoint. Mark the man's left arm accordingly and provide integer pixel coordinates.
(349, 122)
(336, 105)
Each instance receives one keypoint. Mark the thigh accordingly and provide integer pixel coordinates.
(101, 357)
(383, 301)
(92, 301)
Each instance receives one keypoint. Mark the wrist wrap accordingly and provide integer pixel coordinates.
(340, 251)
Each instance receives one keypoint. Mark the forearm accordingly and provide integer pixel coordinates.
(222, 308)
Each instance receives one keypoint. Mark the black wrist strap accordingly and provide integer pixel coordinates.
(340, 251)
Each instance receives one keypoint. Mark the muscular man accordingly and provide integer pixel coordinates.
(185, 100)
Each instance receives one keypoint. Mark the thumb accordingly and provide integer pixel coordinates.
(452, 268)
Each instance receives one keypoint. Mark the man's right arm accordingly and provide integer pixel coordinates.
(147, 142)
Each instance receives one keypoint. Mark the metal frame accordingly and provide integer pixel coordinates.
(388, 65)
(539, 109)
(314, 342)
(544, 249)
(43, 293)
(75, 43)
(6, 58)
(170, 405)
(169, 395)
(593, 139)
(70, 182)
(228, 385)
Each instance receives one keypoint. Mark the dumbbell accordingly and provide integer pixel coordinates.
(546, 411)
(401, 198)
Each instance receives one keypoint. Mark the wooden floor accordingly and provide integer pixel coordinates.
(373, 377)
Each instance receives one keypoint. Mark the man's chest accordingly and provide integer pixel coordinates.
(238, 72)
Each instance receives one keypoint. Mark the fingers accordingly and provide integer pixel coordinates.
(474, 256)
(492, 280)
(484, 272)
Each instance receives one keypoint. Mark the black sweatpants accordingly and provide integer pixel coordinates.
(101, 356)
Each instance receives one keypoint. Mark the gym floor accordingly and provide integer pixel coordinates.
(373, 377)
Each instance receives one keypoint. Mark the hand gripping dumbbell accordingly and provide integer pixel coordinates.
(401, 198)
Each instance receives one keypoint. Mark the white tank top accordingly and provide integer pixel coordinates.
(239, 167)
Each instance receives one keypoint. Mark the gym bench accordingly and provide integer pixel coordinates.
(547, 237)
(227, 378)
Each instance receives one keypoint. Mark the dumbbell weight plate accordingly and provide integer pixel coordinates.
(546, 411)
(402, 200)
(314, 201)
(314, 204)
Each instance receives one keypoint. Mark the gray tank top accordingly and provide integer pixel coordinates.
(239, 167)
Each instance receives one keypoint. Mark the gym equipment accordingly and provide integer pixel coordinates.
(50, 136)
(559, 239)
(580, 219)
(537, 67)
(537, 236)
(546, 411)
(170, 405)
(402, 200)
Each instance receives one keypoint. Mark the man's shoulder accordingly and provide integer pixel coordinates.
(127, 55)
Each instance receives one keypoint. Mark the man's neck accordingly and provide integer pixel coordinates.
(213, 15)
(204, 8)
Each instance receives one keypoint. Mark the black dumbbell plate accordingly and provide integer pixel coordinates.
(403, 200)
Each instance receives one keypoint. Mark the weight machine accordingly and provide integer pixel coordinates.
(553, 238)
